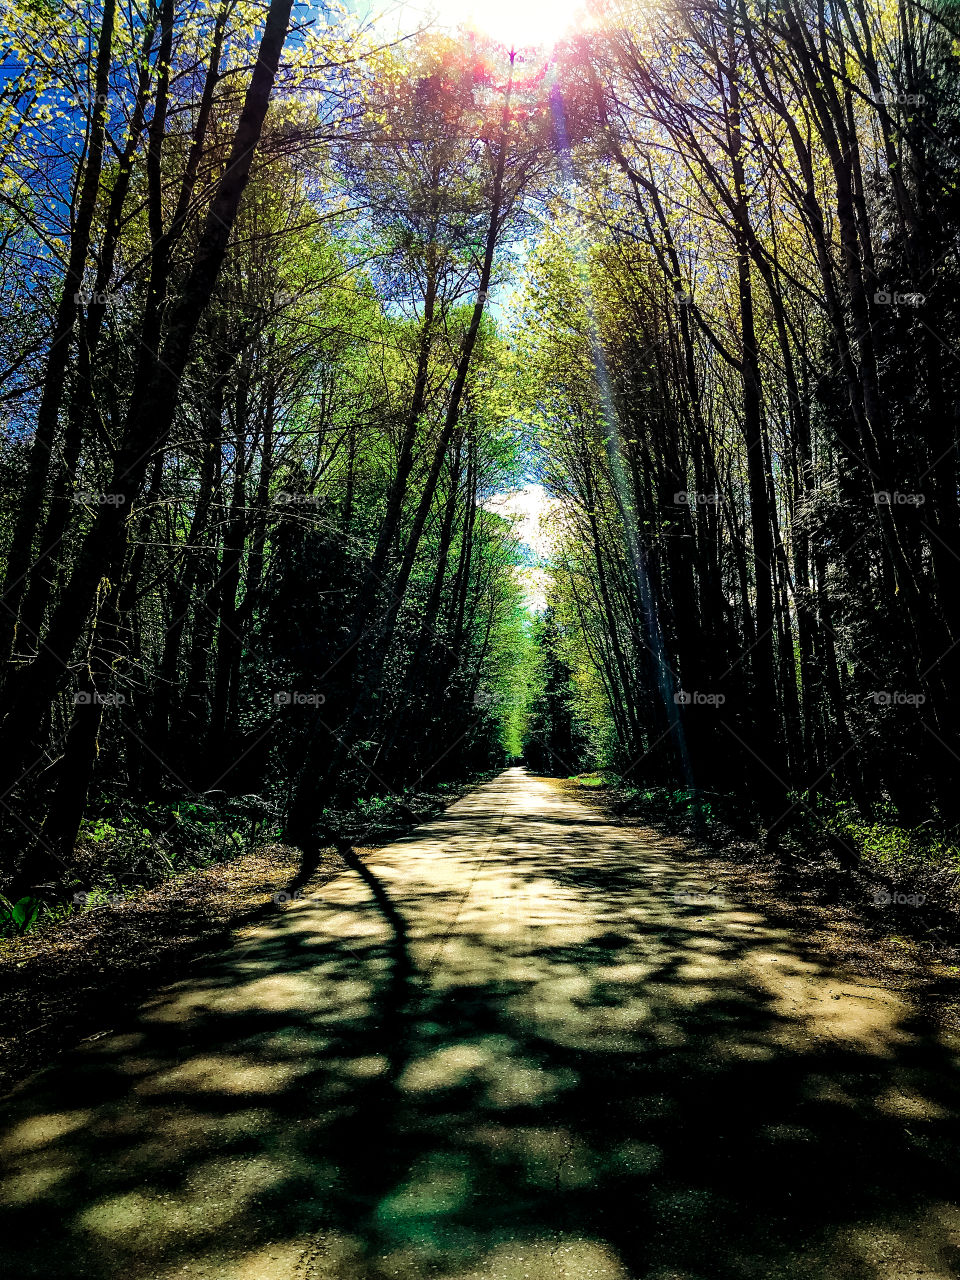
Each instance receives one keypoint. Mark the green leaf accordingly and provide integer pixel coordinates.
(24, 912)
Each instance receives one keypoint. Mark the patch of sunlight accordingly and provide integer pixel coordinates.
(272, 1262)
(804, 995)
(138, 1218)
(269, 1262)
(746, 1051)
(626, 974)
(561, 1160)
(630, 1015)
(914, 1248)
(821, 1088)
(719, 946)
(549, 1260)
(686, 993)
(215, 1074)
(295, 1041)
(910, 1106)
(667, 1036)
(555, 1157)
(436, 1186)
(135, 1066)
(40, 1130)
(518, 1084)
(33, 1184)
(366, 1068)
(738, 920)
(245, 1123)
(454, 1065)
(234, 1176)
(119, 1043)
(279, 992)
(508, 1082)
(563, 988)
(161, 1129)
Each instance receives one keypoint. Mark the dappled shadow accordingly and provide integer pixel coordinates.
(516, 1044)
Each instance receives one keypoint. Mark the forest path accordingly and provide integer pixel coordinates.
(518, 1049)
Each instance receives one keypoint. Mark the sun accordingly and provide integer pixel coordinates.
(520, 24)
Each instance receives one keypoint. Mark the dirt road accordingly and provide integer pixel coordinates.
(527, 1045)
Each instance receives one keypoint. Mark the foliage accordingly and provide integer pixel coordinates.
(19, 916)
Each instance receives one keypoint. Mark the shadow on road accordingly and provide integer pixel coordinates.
(515, 1045)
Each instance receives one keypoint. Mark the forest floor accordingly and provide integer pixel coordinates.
(524, 1042)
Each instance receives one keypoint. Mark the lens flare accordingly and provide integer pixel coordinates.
(518, 24)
